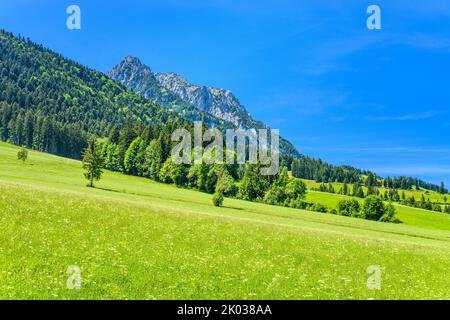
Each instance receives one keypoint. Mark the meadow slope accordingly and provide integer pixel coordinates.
(136, 239)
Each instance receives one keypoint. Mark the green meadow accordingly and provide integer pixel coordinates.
(133, 238)
(417, 194)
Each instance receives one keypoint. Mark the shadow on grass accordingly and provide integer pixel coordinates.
(234, 208)
(105, 189)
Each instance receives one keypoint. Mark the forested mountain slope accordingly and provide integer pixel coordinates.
(51, 103)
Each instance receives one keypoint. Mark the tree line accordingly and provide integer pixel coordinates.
(40, 132)
(146, 151)
(389, 195)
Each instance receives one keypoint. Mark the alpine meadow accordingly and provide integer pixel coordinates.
(138, 239)
(118, 182)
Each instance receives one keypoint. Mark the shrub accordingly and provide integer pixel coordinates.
(389, 215)
(349, 208)
(217, 199)
(437, 207)
(274, 196)
(298, 204)
(318, 207)
(373, 208)
(447, 209)
(295, 189)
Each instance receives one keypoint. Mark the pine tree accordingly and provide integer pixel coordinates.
(114, 135)
(345, 189)
(442, 188)
(28, 129)
(93, 161)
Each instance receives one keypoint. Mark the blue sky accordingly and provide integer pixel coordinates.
(374, 99)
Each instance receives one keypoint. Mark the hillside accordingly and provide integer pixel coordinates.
(134, 238)
(52, 104)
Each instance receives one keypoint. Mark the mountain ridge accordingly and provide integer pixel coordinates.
(173, 91)
(221, 103)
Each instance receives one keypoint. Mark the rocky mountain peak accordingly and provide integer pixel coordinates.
(131, 72)
(218, 102)
(173, 91)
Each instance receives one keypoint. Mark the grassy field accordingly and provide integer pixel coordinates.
(134, 238)
(417, 194)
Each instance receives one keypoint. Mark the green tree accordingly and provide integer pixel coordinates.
(358, 190)
(224, 183)
(153, 159)
(371, 180)
(295, 189)
(93, 161)
(442, 188)
(173, 173)
(277, 191)
(223, 186)
(217, 199)
(373, 208)
(134, 157)
(110, 153)
(253, 186)
(22, 154)
(115, 135)
(345, 189)
(389, 214)
(350, 208)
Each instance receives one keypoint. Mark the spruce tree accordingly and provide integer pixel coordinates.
(93, 161)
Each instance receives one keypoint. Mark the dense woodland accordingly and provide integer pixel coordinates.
(66, 95)
(52, 104)
(146, 151)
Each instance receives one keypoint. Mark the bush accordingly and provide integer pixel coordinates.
(437, 207)
(298, 204)
(217, 199)
(349, 208)
(274, 196)
(318, 207)
(389, 215)
(295, 189)
(373, 208)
